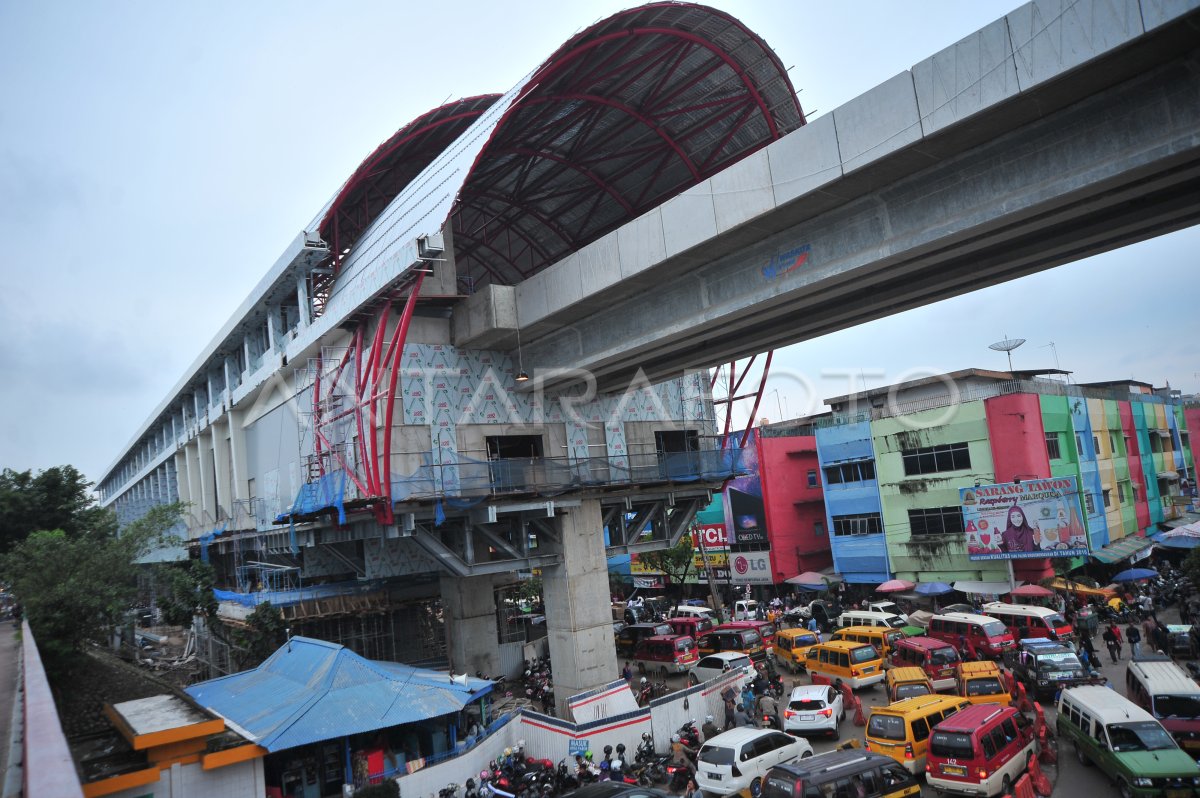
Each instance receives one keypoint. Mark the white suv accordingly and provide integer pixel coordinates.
(714, 665)
(739, 758)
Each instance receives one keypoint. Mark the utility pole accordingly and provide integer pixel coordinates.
(708, 572)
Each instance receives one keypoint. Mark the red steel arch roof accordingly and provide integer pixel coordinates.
(627, 114)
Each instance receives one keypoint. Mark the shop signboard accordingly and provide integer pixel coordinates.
(1023, 520)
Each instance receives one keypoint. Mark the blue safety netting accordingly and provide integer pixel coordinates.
(207, 538)
(323, 493)
(283, 598)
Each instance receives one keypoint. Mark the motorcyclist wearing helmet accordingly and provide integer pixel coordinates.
(682, 754)
(620, 758)
(709, 728)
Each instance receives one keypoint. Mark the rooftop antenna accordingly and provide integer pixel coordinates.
(1054, 351)
(1007, 346)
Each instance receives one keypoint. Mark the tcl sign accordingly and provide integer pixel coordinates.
(713, 535)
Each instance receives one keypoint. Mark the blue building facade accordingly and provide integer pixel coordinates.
(853, 510)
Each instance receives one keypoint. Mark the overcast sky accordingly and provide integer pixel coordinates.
(156, 158)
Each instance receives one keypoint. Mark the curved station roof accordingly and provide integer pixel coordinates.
(625, 115)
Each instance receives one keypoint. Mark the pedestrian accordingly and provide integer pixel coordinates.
(1148, 626)
(1110, 640)
(740, 718)
(627, 673)
(1116, 630)
(1090, 649)
(709, 728)
(692, 790)
(748, 697)
(1135, 639)
(814, 627)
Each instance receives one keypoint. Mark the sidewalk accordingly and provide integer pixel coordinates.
(10, 649)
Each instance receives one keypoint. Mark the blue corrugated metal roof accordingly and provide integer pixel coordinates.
(310, 690)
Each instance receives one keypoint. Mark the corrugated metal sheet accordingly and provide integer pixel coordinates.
(310, 690)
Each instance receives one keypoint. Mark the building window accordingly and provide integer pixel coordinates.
(1096, 445)
(1127, 441)
(1112, 442)
(934, 459)
(1107, 496)
(1155, 442)
(857, 524)
(1079, 444)
(1185, 440)
(818, 529)
(936, 521)
(812, 479)
(1052, 447)
(1090, 502)
(858, 471)
(1121, 492)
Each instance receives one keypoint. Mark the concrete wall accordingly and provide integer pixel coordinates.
(794, 505)
(860, 559)
(931, 558)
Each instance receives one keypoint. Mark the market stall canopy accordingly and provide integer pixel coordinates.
(1081, 589)
(311, 690)
(1032, 591)
(1121, 550)
(934, 588)
(982, 588)
(1183, 537)
(895, 586)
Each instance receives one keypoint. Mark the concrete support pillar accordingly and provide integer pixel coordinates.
(220, 445)
(204, 474)
(578, 612)
(274, 328)
(237, 443)
(469, 610)
(181, 477)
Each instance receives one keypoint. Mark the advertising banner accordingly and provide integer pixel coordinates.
(1020, 520)
(750, 567)
(745, 515)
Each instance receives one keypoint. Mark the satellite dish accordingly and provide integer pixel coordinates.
(1007, 346)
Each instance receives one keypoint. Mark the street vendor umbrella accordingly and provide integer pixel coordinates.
(895, 586)
(814, 578)
(1031, 591)
(934, 589)
(1134, 574)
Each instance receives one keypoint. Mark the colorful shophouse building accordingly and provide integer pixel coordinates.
(893, 459)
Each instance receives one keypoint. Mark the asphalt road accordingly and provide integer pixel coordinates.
(1069, 777)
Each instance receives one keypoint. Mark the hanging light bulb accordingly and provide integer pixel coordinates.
(522, 376)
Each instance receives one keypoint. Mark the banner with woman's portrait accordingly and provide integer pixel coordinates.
(1017, 520)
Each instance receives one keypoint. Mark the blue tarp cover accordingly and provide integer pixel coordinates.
(310, 691)
(321, 494)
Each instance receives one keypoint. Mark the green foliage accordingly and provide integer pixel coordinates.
(185, 589)
(1191, 566)
(676, 562)
(388, 788)
(75, 589)
(530, 589)
(56, 498)
(265, 632)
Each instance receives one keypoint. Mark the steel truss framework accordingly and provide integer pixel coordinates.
(624, 116)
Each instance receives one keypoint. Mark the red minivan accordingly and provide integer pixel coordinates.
(693, 627)
(666, 654)
(1027, 621)
(937, 658)
(981, 750)
(986, 635)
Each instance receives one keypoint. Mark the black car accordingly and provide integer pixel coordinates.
(841, 772)
(1045, 666)
(615, 789)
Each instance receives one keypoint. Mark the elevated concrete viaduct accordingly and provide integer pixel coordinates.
(1019, 148)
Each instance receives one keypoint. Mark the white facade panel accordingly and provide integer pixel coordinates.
(641, 243)
(804, 160)
(743, 191)
(1053, 36)
(966, 77)
(689, 219)
(878, 122)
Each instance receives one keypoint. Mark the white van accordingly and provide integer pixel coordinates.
(689, 611)
(869, 618)
(745, 610)
(887, 606)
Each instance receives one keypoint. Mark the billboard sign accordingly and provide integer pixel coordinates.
(1023, 520)
(750, 567)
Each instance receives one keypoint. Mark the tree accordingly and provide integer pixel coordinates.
(56, 498)
(187, 588)
(75, 589)
(676, 562)
(265, 631)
